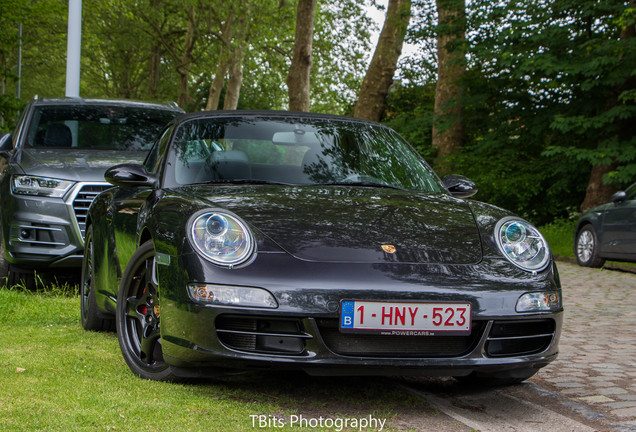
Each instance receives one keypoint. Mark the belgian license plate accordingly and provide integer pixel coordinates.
(405, 318)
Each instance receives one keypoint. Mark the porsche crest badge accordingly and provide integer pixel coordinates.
(388, 248)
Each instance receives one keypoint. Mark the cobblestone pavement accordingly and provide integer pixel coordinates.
(597, 361)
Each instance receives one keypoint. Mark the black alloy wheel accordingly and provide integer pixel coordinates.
(91, 319)
(138, 317)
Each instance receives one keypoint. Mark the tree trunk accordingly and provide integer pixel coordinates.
(298, 78)
(224, 35)
(154, 63)
(217, 86)
(235, 81)
(186, 60)
(597, 192)
(448, 126)
(379, 77)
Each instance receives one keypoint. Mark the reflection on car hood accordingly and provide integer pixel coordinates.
(75, 164)
(345, 224)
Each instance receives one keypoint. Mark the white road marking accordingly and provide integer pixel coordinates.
(494, 411)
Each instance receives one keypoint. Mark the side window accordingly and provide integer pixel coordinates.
(631, 193)
(153, 159)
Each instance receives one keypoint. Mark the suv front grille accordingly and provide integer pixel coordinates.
(83, 201)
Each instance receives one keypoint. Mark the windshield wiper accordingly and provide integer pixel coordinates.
(360, 184)
(247, 181)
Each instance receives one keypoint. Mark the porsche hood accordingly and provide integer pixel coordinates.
(368, 225)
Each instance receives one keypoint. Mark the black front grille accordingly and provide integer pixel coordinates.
(514, 338)
(83, 201)
(372, 345)
(38, 235)
(261, 334)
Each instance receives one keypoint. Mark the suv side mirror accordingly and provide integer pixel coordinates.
(130, 175)
(6, 144)
(460, 186)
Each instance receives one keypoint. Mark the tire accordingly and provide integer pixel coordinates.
(12, 276)
(90, 316)
(22, 278)
(501, 379)
(586, 248)
(4, 264)
(137, 318)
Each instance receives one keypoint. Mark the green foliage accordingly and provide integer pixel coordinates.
(10, 106)
(549, 92)
(42, 65)
(410, 111)
(119, 38)
(558, 79)
(341, 47)
(560, 236)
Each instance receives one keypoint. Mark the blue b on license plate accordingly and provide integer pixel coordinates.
(405, 318)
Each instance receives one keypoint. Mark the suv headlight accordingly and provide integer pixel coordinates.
(221, 237)
(522, 244)
(39, 186)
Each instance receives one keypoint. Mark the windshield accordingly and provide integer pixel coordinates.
(296, 151)
(105, 127)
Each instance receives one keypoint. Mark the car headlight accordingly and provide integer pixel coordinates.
(221, 238)
(522, 244)
(539, 301)
(225, 295)
(39, 186)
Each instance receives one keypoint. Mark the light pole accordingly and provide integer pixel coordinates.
(18, 90)
(74, 48)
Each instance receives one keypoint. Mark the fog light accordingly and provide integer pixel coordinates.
(539, 301)
(224, 295)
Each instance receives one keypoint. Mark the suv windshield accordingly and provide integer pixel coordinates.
(297, 151)
(107, 127)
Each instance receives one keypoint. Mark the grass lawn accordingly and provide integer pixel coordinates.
(560, 237)
(56, 376)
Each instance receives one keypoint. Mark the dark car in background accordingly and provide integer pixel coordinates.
(52, 167)
(608, 232)
(269, 240)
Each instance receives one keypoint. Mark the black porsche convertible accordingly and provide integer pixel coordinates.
(269, 240)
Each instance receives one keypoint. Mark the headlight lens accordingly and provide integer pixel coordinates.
(39, 186)
(522, 244)
(222, 238)
(224, 295)
(539, 301)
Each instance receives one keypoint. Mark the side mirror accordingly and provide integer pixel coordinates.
(460, 186)
(619, 197)
(6, 144)
(130, 175)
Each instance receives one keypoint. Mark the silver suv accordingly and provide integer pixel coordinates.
(51, 169)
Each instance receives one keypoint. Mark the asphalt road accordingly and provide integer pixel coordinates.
(590, 387)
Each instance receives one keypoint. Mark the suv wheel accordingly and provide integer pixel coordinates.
(4, 264)
(23, 278)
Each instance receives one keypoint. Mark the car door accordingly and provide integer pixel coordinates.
(619, 227)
